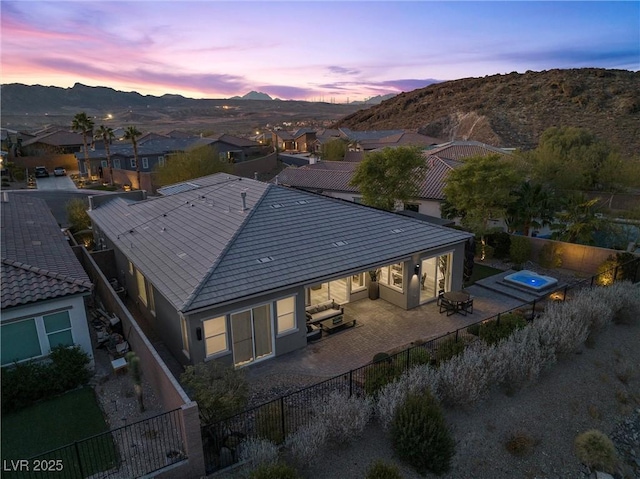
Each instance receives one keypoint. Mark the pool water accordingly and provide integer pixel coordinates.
(531, 280)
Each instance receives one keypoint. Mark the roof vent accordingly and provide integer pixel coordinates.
(36, 243)
(182, 255)
(397, 230)
(243, 195)
(340, 243)
(302, 202)
(266, 259)
(277, 205)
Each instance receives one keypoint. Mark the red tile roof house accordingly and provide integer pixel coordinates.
(224, 267)
(43, 284)
(333, 178)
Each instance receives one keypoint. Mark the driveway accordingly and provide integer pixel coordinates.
(58, 183)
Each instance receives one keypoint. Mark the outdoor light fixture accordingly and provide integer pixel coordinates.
(416, 270)
(199, 334)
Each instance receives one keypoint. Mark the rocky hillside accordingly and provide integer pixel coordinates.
(513, 110)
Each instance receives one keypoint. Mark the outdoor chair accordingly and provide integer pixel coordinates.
(446, 305)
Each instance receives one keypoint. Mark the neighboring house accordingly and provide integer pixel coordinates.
(224, 266)
(55, 142)
(43, 284)
(333, 178)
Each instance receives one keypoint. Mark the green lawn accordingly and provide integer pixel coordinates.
(481, 271)
(55, 423)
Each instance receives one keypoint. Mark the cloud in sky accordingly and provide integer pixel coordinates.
(306, 50)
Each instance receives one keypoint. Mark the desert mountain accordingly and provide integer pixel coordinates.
(513, 110)
(252, 95)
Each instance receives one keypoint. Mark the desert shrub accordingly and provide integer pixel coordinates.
(623, 299)
(491, 332)
(269, 422)
(520, 249)
(378, 375)
(501, 243)
(561, 330)
(550, 256)
(77, 215)
(474, 329)
(596, 450)
(219, 390)
(520, 444)
(344, 418)
(379, 357)
(412, 357)
(274, 471)
(390, 397)
(448, 349)
(381, 470)
(258, 452)
(304, 444)
(420, 436)
(521, 357)
(592, 309)
(467, 377)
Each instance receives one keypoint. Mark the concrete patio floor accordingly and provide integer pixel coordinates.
(380, 327)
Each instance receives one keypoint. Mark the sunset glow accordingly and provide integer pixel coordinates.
(330, 50)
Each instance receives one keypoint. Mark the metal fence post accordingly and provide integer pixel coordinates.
(592, 278)
(457, 335)
(565, 293)
(408, 359)
(350, 382)
(615, 274)
(498, 320)
(533, 309)
(75, 446)
(282, 420)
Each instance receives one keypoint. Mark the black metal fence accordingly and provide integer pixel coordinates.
(130, 451)
(276, 419)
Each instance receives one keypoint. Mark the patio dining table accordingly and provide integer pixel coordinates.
(456, 299)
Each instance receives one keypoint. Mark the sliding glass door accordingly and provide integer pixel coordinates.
(435, 276)
(252, 335)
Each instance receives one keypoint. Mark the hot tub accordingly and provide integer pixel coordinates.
(531, 280)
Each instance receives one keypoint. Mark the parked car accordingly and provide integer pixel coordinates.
(59, 171)
(41, 172)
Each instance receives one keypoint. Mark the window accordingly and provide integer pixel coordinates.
(161, 160)
(132, 162)
(412, 207)
(357, 200)
(142, 290)
(251, 331)
(58, 329)
(215, 335)
(152, 301)
(130, 267)
(116, 163)
(286, 309)
(392, 275)
(357, 282)
(19, 341)
(103, 163)
(145, 163)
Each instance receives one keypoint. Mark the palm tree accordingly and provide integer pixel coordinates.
(83, 124)
(533, 207)
(132, 133)
(107, 135)
(579, 221)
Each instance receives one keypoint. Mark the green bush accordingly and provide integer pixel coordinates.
(274, 471)
(448, 349)
(28, 382)
(520, 250)
(597, 451)
(501, 243)
(493, 331)
(417, 356)
(620, 266)
(420, 435)
(378, 357)
(381, 470)
(550, 256)
(379, 375)
(269, 422)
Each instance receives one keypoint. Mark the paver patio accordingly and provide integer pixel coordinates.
(380, 327)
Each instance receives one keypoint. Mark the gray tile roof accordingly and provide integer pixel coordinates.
(456, 150)
(199, 249)
(57, 138)
(37, 261)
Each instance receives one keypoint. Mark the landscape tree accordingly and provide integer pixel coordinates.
(578, 221)
(189, 164)
(480, 190)
(334, 150)
(533, 207)
(107, 136)
(389, 176)
(77, 215)
(83, 124)
(132, 134)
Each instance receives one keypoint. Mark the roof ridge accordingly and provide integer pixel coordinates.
(44, 272)
(222, 254)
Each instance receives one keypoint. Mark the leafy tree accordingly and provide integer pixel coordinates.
(389, 176)
(219, 390)
(479, 190)
(107, 136)
(578, 222)
(77, 215)
(132, 134)
(83, 124)
(193, 163)
(534, 207)
(334, 150)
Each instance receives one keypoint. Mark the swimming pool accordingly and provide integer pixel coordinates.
(531, 280)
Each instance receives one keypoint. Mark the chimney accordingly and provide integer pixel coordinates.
(243, 195)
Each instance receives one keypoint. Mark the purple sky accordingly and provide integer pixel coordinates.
(330, 50)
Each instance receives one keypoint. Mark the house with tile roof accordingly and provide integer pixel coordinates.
(43, 284)
(333, 178)
(225, 266)
(57, 141)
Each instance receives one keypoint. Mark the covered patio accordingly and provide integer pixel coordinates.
(380, 327)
